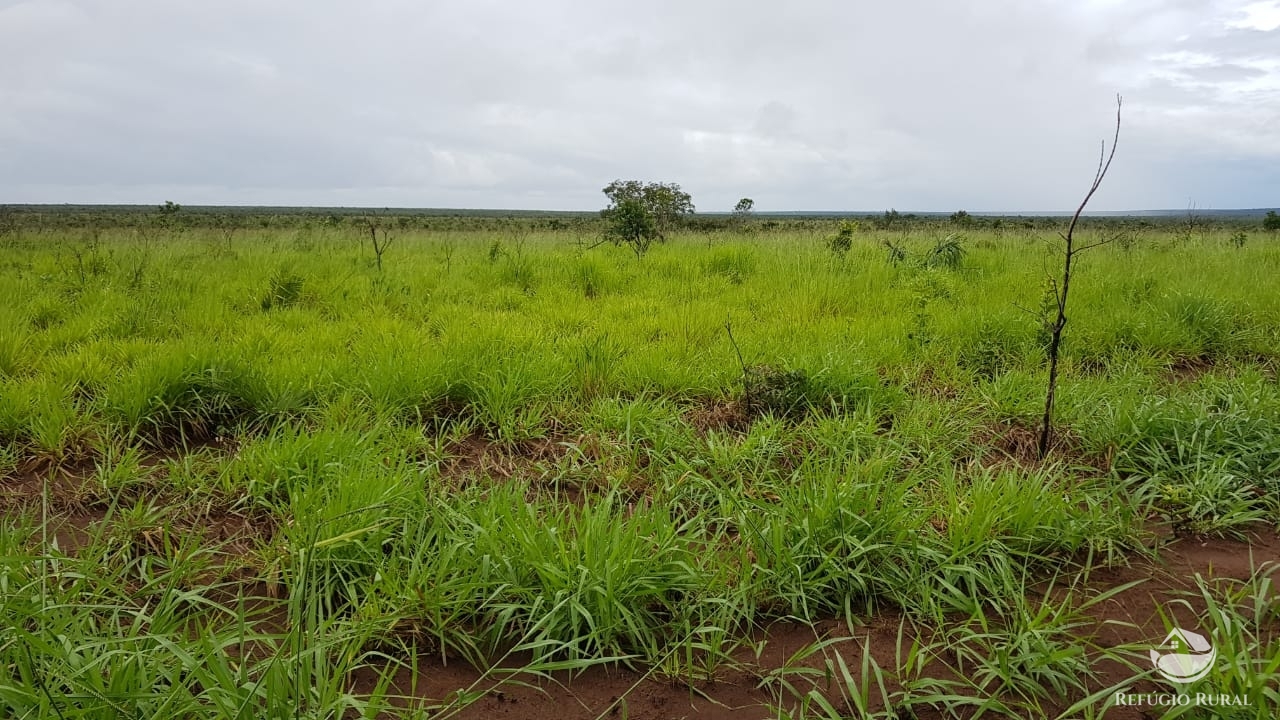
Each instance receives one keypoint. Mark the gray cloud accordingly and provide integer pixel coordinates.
(808, 105)
(1224, 73)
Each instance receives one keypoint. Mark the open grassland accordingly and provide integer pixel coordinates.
(254, 475)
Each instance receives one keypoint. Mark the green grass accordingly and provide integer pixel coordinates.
(503, 447)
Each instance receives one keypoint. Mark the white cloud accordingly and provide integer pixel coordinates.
(1264, 16)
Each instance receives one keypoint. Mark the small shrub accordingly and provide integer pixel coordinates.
(284, 289)
(947, 253)
(927, 286)
(773, 391)
(1207, 499)
(1210, 467)
(1047, 315)
(997, 348)
(897, 255)
(840, 243)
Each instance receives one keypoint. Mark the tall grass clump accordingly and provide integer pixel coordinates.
(596, 581)
(177, 396)
(832, 543)
(99, 644)
(599, 581)
(1209, 464)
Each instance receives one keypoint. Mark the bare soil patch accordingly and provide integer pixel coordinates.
(1013, 443)
(719, 414)
(79, 509)
(1184, 370)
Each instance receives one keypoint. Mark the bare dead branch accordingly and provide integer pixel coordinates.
(1097, 179)
(379, 247)
(1026, 310)
(1090, 246)
(1061, 293)
(728, 328)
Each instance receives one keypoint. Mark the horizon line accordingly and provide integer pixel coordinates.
(388, 208)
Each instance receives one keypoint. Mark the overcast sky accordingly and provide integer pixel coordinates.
(984, 105)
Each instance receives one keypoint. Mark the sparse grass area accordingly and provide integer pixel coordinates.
(262, 477)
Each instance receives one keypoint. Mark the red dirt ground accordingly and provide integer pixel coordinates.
(1130, 618)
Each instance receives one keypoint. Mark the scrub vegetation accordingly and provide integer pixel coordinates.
(282, 468)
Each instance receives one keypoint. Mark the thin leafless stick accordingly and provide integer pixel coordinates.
(1060, 292)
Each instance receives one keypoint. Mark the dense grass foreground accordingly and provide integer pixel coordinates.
(238, 471)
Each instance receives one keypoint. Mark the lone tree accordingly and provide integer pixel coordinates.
(380, 244)
(631, 224)
(1070, 250)
(1271, 222)
(640, 213)
(741, 219)
(890, 219)
(168, 213)
(8, 221)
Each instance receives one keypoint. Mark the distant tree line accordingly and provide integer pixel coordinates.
(676, 216)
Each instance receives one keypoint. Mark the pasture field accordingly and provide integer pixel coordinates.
(251, 474)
